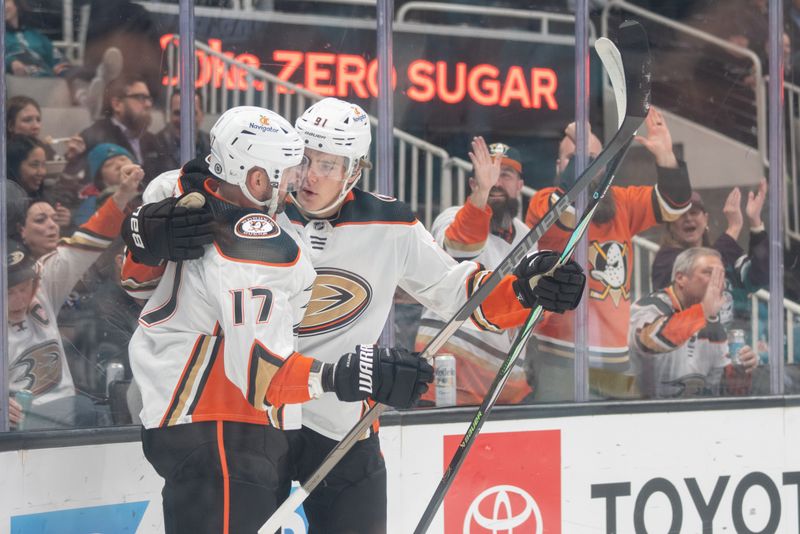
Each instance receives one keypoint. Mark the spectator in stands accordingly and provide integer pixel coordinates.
(169, 138)
(24, 117)
(106, 162)
(40, 230)
(36, 291)
(26, 166)
(126, 111)
(624, 212)
(484, 229)
(29, 52)
(678, 344)
(744, 273)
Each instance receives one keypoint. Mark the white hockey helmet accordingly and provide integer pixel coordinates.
(247, 136)
(340, 128)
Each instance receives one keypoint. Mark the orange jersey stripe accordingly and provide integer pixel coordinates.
(290, 383)
(470, 228)
(139, 273)
(683, 325)
(502, 306)
(226, 488)
(106, 221)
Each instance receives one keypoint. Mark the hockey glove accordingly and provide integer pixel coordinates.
(167, 230)
(390, 376)
(557, 292)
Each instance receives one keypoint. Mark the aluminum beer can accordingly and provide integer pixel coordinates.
(444, 368)
(115, 371)
(736, 341)
(24, 398)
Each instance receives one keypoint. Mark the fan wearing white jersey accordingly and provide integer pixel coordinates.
(36, 291)
(215, 354)
(484, 229)
(364, 246)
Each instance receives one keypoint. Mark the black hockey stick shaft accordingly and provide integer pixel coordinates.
(636, 54)
(505, 369)
(636, 102)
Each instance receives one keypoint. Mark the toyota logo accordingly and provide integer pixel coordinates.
(503, 518)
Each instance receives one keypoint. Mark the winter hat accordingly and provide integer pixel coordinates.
(102, 152)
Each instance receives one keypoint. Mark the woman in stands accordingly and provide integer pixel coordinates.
(26, 165)
(37, 288)
(24, 117)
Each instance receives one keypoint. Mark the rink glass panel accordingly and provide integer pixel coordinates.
(458, 75)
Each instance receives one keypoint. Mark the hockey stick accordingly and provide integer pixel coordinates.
(634, 41)
(617, 144)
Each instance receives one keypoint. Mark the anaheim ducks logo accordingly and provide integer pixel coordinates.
(339, 297)
(15, 257)
(610, 267)
(256, 226)
(38, 368)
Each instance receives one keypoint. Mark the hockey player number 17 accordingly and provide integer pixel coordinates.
(256, 293)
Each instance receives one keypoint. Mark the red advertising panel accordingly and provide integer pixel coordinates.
(510, 483)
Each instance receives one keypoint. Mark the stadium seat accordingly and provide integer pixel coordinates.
(64, 121)
(49, 92)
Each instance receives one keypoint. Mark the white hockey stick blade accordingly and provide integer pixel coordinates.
(274, 523)
(612, 62)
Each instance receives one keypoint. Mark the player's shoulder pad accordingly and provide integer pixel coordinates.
(249, 235)
(371, 208)
(161, 187)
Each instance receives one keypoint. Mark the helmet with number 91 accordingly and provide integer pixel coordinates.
(246, 137)
(340, 128)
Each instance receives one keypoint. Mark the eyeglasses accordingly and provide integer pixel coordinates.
(141, 97)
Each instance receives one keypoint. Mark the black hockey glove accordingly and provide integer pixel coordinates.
(390, 376)
(167, 230)
(558, 292)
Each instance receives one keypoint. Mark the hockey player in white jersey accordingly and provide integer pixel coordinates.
(363, 246)
(215, 354)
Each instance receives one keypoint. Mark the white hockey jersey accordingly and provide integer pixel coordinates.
(372, 246)
(464, 232)
(215, 341)
(675, 352)
(36, 353)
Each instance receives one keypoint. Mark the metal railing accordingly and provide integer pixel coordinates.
(420, 166)
(791, 315)
(546, 20)
(791, 197)
(715, 42)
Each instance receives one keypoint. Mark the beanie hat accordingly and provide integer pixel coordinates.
(98, 156)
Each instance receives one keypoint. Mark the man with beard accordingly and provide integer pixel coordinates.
(484, 229)
(126, 116)
(624, 212)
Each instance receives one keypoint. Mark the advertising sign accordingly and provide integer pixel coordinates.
(441, 83)
(509, 482)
